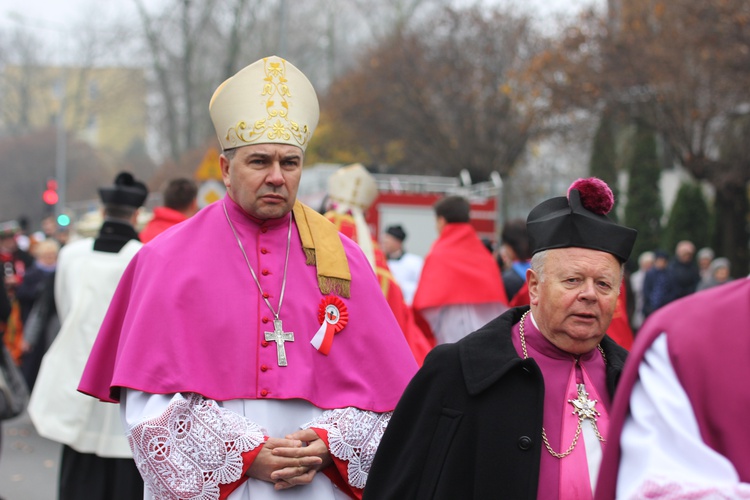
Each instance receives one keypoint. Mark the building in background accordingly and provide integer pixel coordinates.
(105, 107)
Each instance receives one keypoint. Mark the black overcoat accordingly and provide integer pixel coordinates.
(469, 424)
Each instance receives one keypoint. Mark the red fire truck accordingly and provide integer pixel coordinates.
(408, 199)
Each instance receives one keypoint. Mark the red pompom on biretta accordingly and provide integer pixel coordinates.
(596, 196)
(580, 220)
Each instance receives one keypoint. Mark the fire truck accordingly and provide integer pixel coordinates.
(407, 200)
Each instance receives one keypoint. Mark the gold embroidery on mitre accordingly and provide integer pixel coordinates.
(277, 125)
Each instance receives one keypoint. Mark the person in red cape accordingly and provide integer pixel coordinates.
(351, 190)
(519, 408)
(460, 288)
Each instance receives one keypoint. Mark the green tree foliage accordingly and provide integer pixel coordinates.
(644, 210)
(689, 219)
(604, 157)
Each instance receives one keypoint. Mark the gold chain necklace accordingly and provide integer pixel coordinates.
(583, 406)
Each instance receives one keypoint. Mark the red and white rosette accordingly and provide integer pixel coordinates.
(333, 317)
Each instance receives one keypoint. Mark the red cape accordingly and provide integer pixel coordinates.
(459, 270)
(619, 329)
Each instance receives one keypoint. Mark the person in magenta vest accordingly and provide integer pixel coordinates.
(250, 346)
(678, 426)
(519, 408)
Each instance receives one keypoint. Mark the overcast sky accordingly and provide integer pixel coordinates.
(59, 14)
(55, 20)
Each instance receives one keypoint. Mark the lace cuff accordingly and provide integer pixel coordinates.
(192, 447)
(353, 436)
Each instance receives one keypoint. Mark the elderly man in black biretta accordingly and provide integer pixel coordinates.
(519, 408)
(96, 460)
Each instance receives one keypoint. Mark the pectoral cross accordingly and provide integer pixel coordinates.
(279, 336)
(583, 406)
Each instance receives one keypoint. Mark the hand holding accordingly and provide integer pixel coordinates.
(267, 462)
(313, 448)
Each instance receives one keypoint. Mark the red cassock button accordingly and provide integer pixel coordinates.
(264, 343)
(265, 272)
(264, 393)
(265, 295)
(264, 251)
(265, 320)
(264, 368)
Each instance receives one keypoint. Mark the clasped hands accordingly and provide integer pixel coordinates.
(291, 461)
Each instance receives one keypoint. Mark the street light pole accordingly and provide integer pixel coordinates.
(61, 163)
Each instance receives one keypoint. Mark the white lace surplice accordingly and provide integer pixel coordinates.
(167, 429)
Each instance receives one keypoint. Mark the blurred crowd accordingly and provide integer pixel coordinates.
(29, 261)
(662, 277)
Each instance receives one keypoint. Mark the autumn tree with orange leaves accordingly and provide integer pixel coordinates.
(440, 97)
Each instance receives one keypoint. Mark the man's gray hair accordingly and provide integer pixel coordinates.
(537, 264)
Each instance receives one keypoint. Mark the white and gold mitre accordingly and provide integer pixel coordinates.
(352, 187)
(269, 101)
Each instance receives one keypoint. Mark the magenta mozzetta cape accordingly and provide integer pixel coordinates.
(188, 317)
(709, 348)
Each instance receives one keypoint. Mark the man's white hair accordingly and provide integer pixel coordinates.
(539, 258)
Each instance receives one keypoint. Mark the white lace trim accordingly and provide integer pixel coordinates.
(353, 436)
(192, 447)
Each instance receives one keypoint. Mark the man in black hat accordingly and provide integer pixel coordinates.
(96, 458)
(518, 409)
(405, 267)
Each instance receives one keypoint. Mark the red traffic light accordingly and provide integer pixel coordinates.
(50, 197)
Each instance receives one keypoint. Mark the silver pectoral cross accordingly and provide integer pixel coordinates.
(279, 336)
